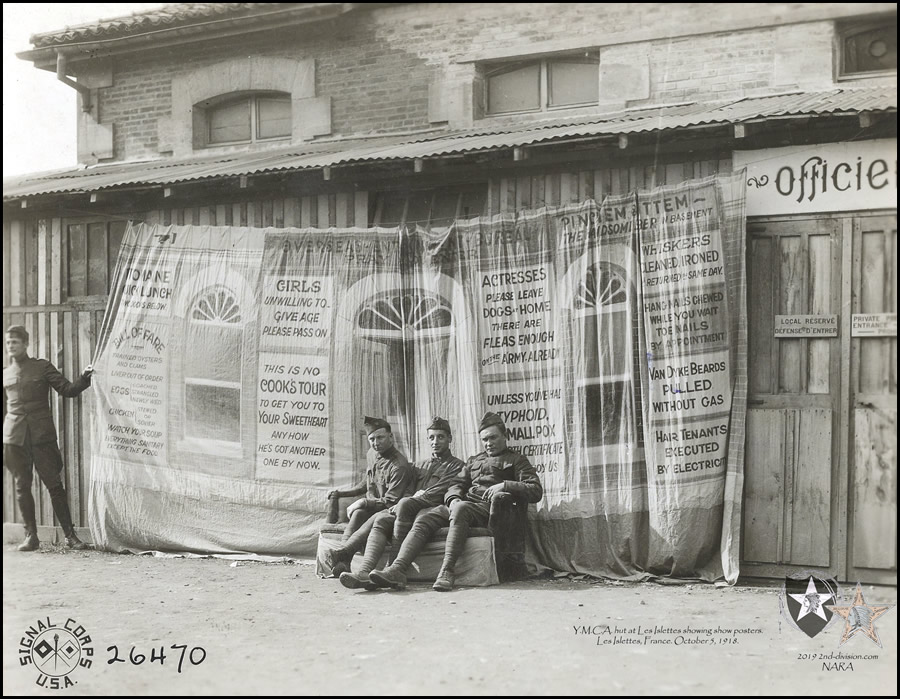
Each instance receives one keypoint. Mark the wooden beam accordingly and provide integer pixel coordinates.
(326, 173)
(244, 182)
(418, 165)
(740, 130)
(94, 197)
(167, 192)
(521, 153)
(24, 203)
(866, 119)
(623, 141)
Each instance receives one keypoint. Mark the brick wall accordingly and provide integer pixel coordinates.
(377, 66)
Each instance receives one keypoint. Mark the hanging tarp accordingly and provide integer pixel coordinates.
(235, 366)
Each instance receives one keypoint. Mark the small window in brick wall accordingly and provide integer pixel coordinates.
(242, 118)
(537, 85)
(868, 48)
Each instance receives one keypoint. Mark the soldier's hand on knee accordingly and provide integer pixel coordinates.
(494, 490)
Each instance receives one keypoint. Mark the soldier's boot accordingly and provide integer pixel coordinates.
(394, 576)
(26, 507)
(456, 542)
(61, 509)
(374, 548)
(73, 542)
(336, 560)
(31, 543)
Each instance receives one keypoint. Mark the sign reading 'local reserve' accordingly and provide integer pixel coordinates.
(806, 326)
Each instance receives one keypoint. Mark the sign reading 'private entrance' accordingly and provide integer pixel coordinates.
(874, 325)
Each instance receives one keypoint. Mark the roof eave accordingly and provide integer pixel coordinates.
(44, 57)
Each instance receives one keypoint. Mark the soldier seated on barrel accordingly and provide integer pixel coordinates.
(389, 477)
(496, 473)
(435, 475)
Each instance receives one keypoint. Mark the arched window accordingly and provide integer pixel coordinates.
(243, 117)
(418, 312)
(402, 357)
(212, 366)
(601, 305)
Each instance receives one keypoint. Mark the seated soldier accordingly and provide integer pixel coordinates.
(436, 475)
(497, 472)
(389, 476)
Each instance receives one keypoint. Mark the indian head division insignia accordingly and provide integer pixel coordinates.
(860, 618)
(804, 599)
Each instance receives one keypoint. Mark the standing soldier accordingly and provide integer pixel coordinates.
(29, 436)
(389, 476)
(497, 472)
(436, 475)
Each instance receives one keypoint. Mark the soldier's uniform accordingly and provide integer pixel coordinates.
(29, 435)
(389, 477)
(465, 506)
(435, 476)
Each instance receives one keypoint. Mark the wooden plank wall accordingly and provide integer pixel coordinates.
(343, 209)
(531, 191)
(62, 329)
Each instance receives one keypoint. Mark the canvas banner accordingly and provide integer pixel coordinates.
(235, 366)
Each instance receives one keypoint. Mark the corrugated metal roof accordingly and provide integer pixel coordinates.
(397, 148)
(173, 15)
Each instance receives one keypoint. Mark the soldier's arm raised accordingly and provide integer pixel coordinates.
(62, 385)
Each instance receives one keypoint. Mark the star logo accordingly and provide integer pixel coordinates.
(803, 601)
(811, 601)
(860, 618)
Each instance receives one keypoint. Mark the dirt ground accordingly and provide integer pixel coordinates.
(277, 628)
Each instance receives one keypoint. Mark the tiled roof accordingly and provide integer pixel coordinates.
(403, 148)
(173, 15)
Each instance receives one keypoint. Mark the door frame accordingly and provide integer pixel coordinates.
(842, 444)
(852, 229)
(838, 372)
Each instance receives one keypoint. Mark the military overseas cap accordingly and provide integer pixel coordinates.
(18, 331)
(491, 419)
(439, 423)
(375, 423)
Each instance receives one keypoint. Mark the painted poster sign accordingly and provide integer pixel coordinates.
(236, 366)
(824, 177)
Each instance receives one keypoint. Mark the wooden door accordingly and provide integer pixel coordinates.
(872, 540)
(793, 470)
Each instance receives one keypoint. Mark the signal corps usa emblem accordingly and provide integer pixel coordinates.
(56, 651)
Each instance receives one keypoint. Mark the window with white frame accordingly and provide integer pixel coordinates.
(212, 367)
(538, 85)
(601, 304)
(244, 118)
(867, 48)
